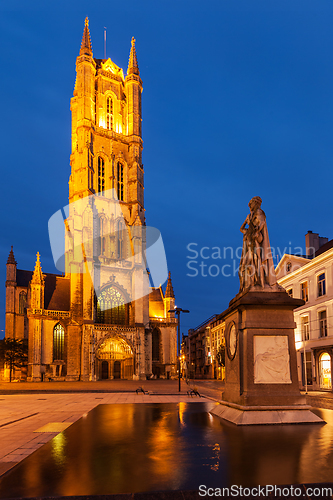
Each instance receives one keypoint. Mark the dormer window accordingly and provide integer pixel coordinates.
(109, 113)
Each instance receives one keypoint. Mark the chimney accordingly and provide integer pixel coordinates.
(313, 242)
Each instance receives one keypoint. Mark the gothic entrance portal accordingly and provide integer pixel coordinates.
(115, 359)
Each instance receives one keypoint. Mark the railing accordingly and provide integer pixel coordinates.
(47, 312)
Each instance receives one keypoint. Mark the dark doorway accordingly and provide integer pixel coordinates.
(105, 369)
(116, 369)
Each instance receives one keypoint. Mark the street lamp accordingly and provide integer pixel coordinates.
(178, 310)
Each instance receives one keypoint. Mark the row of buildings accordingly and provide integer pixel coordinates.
(308, 277)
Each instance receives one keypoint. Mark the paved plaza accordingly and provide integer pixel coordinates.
(31, 414)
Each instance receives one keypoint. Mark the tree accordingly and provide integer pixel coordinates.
(220, 355)
(14, 352)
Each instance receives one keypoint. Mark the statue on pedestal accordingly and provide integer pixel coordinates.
(256, 267)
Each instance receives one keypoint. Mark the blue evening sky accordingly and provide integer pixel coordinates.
(237, 102)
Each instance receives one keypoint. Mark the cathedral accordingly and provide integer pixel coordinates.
(99, 319)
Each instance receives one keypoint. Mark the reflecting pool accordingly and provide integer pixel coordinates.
(128, 448)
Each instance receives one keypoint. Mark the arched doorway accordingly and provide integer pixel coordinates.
(325, 371)
(116, 354)
(105, 370)
(116, 369)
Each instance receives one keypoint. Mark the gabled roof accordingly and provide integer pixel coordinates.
(324, 248)
(56, 291)
(296, 261)
(156, 295)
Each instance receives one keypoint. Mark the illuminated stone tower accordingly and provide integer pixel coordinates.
(106, 155)
(100, 320)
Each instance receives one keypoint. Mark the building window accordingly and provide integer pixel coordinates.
(58, 342)
(102, 235)
(109, 113)
(120, 240)
(90, 171)
(322, 324)
(22, 302)
(101, 176)
(288, 267)
(120, 181)
(155, 338)
(290, 292)
(305, 291)
(305, 327)
(321, 285)
(111, 307)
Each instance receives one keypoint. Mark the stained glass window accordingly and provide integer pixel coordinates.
(111, 307)
(58, 342)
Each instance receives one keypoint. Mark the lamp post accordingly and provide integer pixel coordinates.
(178, 310)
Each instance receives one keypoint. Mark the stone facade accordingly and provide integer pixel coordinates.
(310, 278)
(99, 320)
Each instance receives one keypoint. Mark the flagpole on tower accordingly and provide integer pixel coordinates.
(104, 42)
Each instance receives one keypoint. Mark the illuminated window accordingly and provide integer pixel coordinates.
(288, 267)
(120, 181)
(321, 282)
(305, 291)
(325, 371)
(109, 113)
(305, 327)
(322, 324)
(58, 342)
(111, 307)
(101, 176)
(22, 302)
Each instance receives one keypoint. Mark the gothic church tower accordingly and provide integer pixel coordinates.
(100, 320)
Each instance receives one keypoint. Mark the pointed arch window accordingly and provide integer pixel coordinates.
(120, 181)
(155, 345)
(109, 113)
(22, 302)
(111, 307)
(90, 171)
(58, 342)
(120, 240)
(101, 176)
(102, 234)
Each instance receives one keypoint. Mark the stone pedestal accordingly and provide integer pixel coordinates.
(261, 385)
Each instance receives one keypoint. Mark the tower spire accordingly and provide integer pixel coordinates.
(37, 277)
(133, 61)
(169, 289)
(11, 258)
(86, 48)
